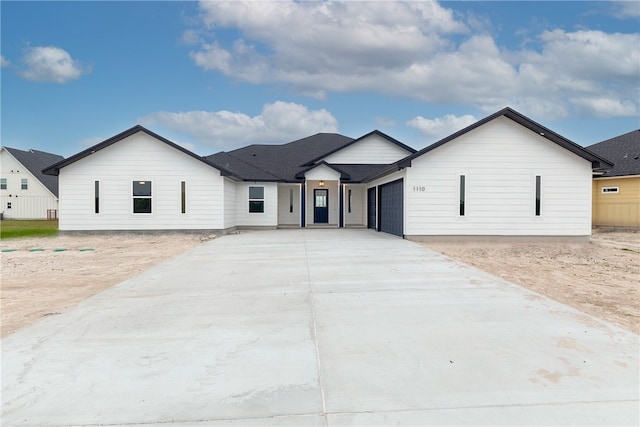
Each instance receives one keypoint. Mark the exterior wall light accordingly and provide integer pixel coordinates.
(321, 183)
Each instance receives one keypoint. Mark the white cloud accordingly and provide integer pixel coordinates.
(50, 64)
(278, 122)
(626, 9)
(419, 50)
(4, 62)
(442, 126)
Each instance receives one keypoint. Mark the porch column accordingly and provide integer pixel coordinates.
(302, 205)
(341, 220)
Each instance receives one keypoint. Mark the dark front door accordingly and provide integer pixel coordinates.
(371, 210)
(321, 206)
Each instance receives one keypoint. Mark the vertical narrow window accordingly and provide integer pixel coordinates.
(3, 183)
(349, 201)
(538, 193)
(141, 196)
(256, 199)
(291, 200)
(183, 196)
(24, 184)
(96, 195)
(462, 193)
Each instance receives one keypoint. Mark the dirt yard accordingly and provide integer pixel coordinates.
(600, 278)
(41, 279)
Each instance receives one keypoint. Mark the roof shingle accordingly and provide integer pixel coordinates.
(623, 150)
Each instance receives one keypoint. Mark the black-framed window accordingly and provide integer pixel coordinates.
(538, 194)
(291, 200)
(183, 196)
(463, 194)
(142, 197)
(256, 199)
(96, 193)
(24, 184)
(3, 183)
(349, 201)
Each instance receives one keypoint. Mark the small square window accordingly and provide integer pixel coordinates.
(609, 190)
(8, 205)
(24, 184)
(3, 183)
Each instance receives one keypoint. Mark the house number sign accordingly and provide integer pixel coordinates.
(419, 188)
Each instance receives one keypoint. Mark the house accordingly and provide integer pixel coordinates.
(616, 191)
(502, 176)
(25, 192)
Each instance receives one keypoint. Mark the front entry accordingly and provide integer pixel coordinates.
(321, 206)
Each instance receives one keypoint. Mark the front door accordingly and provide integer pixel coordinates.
(321, 206)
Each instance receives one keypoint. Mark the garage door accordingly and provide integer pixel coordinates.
(390, 207)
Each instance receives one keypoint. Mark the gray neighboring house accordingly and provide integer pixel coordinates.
(26, 192)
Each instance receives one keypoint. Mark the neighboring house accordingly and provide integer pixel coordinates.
(502, 176)
(25, 192)
(616, 191)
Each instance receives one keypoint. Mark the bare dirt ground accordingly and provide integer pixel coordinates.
(600, 278)
(39, 279)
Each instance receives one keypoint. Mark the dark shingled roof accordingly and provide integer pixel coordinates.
(623, 151)
(280, 161)
(35, 161)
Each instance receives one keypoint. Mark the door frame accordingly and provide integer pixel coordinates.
(315, 190)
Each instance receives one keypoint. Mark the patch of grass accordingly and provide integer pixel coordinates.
(16, 228)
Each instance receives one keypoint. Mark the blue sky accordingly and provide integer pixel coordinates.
(215, 76)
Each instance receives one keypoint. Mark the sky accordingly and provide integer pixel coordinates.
(217, 75)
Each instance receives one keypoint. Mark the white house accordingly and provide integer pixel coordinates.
(25, 192)
(502, 176)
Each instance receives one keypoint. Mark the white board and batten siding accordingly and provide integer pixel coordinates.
(268, 218)
(135, 158)
(500, 161)
(357, 215)
(230, 219)
(373, 149)
(16, 203)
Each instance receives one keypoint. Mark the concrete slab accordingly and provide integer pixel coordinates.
(319, 327)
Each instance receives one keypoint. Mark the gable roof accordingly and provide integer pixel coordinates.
(597, 162)
(35, 161)
(55, 168)
(623, 150)
(374, 132)
(283, 161)
(343, 174)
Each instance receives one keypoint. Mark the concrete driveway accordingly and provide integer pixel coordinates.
(319, 327)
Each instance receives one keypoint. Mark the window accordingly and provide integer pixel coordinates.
(462, 194)
(24, 185)
(141, 196)
(96, 192)
(256, 199)
(3, 183)
(183, 197)
(8, 205)
(610, 189)
(291, 200)
(349, 201)
(538, 194)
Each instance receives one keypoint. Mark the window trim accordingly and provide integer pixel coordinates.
(612, 190)
(537, 197)
(96, 196)
(462, 195)
(134, 197)
(183, 197)
(254, 200)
